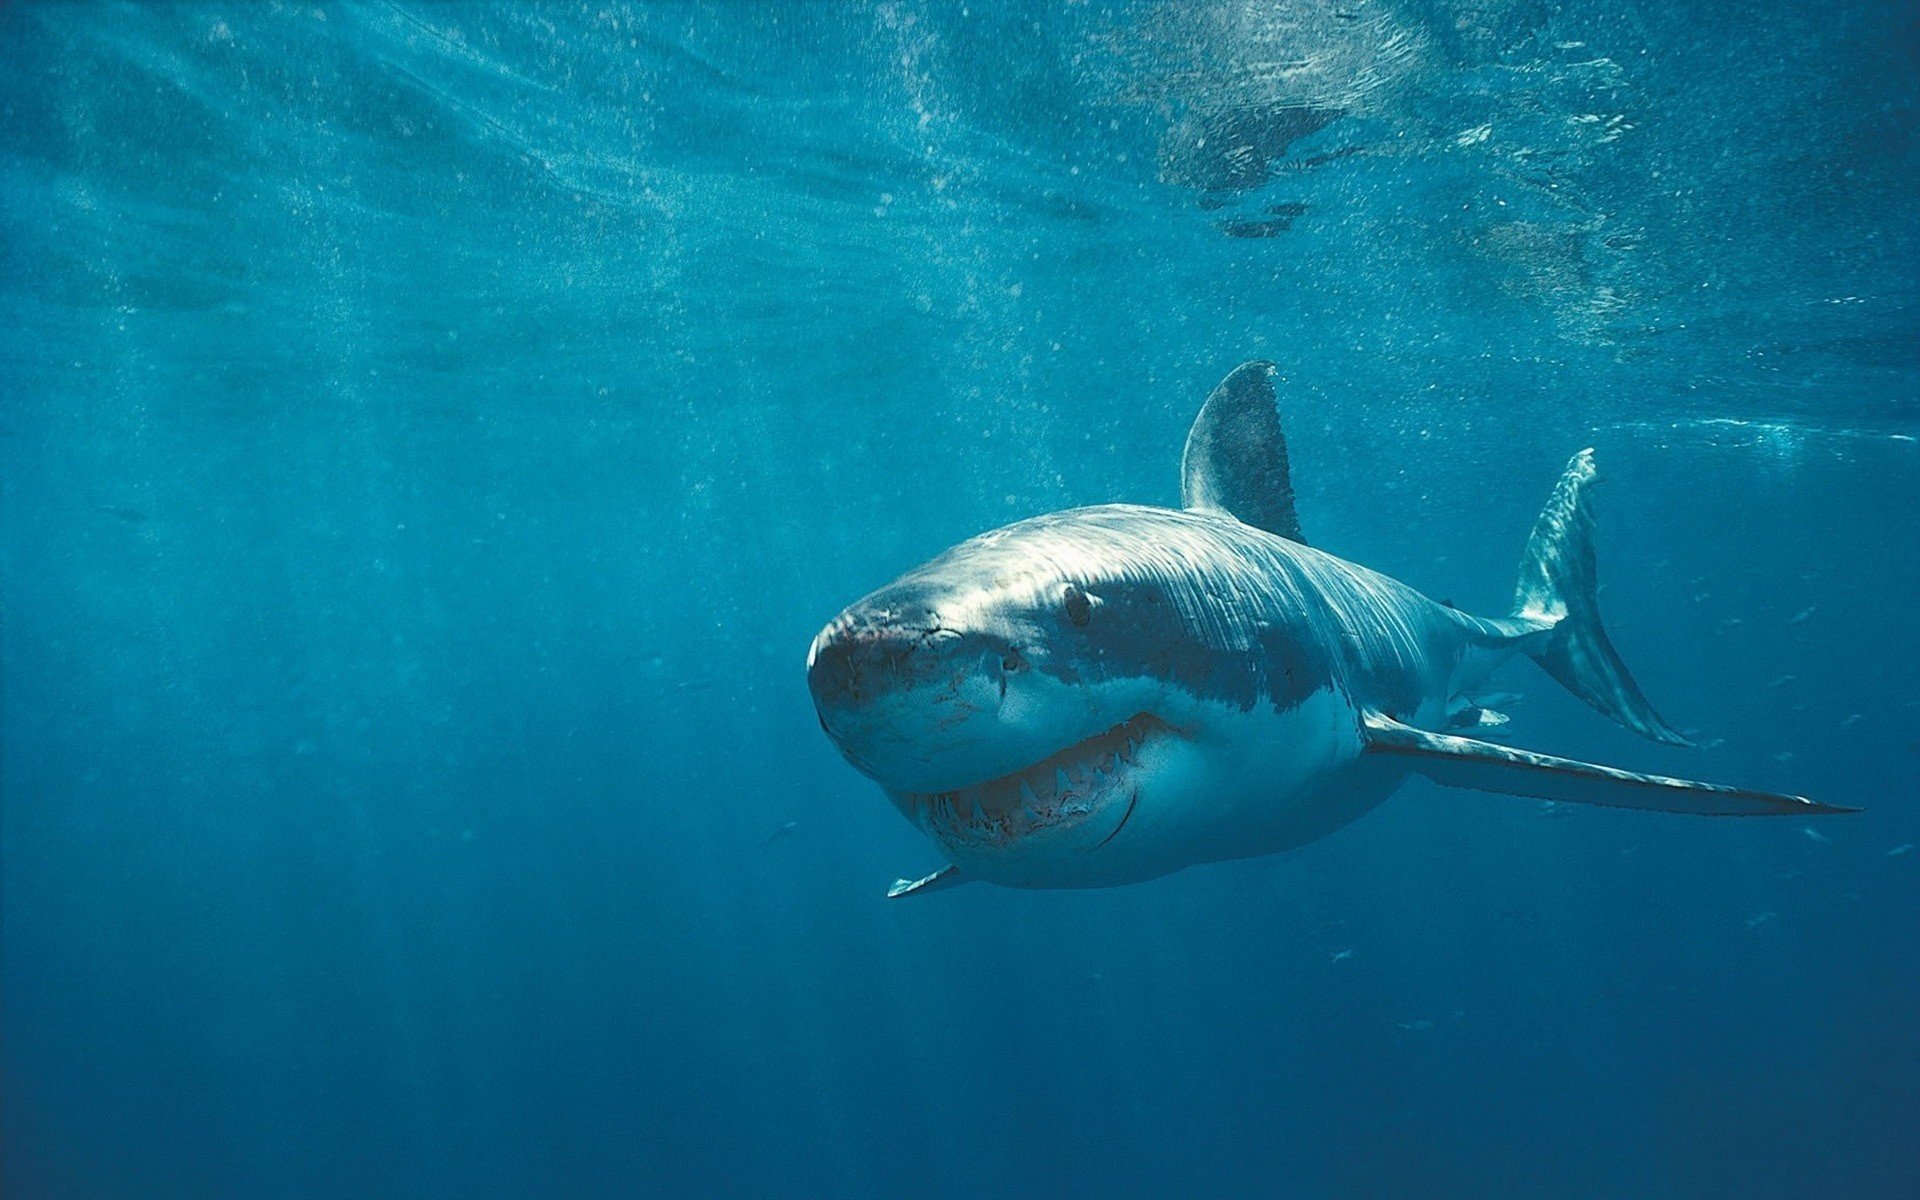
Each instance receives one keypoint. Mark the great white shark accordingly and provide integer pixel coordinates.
(1107, 695)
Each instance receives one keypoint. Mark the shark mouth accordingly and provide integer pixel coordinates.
(1059, 791)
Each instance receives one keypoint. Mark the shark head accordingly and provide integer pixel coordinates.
(997, 696)
(1039, 693)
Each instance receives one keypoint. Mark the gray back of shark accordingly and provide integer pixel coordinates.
(1106, 695)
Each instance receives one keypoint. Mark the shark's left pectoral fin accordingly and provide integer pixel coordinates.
(945, 877)
(1466, 763)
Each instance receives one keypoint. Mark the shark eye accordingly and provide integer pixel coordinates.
(1079, 609)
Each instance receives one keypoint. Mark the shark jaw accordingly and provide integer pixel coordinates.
(1079, 798)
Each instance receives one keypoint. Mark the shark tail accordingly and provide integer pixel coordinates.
(1557, 586)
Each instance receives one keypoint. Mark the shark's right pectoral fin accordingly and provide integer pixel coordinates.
(945, 877)
(1465, 763)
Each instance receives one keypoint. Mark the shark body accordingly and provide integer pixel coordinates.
(1106, 695)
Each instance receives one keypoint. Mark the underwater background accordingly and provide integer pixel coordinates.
(431, 433)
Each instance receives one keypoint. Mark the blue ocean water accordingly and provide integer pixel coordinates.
(432, 433)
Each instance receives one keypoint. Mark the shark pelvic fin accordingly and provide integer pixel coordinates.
(1236, 456)
(945, 877)
(1475, 716)
(1465, 763)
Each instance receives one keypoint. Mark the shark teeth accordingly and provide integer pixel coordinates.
(1059, 790)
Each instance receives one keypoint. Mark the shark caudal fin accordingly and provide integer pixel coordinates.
(1557, 584)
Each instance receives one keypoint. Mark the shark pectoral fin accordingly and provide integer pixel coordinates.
(1465, 763)
(945, 877)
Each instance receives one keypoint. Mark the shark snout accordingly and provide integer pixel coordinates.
(903, 696)
(854, 661)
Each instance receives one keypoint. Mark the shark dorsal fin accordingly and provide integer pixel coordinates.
(1236, 456)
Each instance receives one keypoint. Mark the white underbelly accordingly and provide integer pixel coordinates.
(1240, 784)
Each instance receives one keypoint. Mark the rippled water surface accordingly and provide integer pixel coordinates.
(430, 434)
